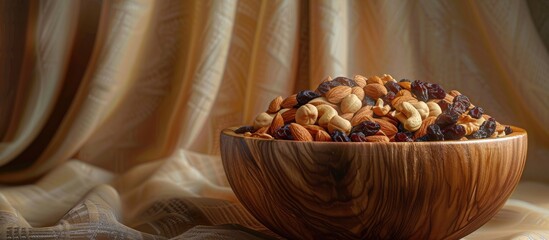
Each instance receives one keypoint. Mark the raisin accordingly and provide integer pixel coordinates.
(326, 86)
(434, 133)
(339, 136)
(446, 119)
(457, 107)
(367, 101)
(443, 105)
(419, 89)
(404, 80)
(358, 137)
(303, 97)
(283, 133)
(453, 132)
(402, 137)
(476, 112)
(464, 100)
(485, 130)
(435, 91)
(345, 81)
(387, 99)
(368, 128)
(508, 130)
(244, 129)
(423, 138)
(400, 127)
(392, 87)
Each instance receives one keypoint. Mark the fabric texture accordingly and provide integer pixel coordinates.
(110, 111)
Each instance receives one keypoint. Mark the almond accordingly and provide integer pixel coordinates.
(375, 90)
(454, 93)
(374, 79)
(289, 115)
(274, 106)
(405, 85)
(289, 102)
(405, 98)
(359, 92)
(423, 128)
(377, 138)
(262, 130)
(300, 133)
(360, 80)
(277, 123)
(313, 129)
(365, 113)
(387, 127)
(262, 135)
(336, 94)
(321, 101)
(322, 136)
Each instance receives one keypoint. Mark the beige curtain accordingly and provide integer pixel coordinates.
(110, 111)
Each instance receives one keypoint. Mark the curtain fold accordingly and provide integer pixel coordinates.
(110, 111)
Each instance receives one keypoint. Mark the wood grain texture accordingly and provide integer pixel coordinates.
(425, 190)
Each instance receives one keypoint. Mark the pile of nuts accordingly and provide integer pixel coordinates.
(374, 109)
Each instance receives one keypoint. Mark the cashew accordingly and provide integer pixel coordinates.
(306, 114)
(422, 108)
(339, 123)
(408, 116)
(350, 104)
(379, 109)
(325, 114)
(434, 109)
(262, 120)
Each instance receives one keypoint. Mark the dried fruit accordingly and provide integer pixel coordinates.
(244, 129)
(358, 137)
(447, 119)
(283, 133)
(476, 112)
(402, 137)
(419, 89)
(487, 128)
(303, 97)
(392, 87)
(508, 130)
(435, 91)
(375, 109)
(339, 136)
(368, 128)
(434, 133)
(454, 132)
(345, 81)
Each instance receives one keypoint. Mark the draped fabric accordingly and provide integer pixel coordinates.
(110, 111)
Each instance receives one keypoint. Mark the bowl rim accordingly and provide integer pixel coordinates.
(517, 133)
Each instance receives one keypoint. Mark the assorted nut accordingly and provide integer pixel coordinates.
(374, 109)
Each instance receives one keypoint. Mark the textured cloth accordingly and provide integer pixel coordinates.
(110, 111)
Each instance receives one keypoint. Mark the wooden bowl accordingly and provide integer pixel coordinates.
(418, 190)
